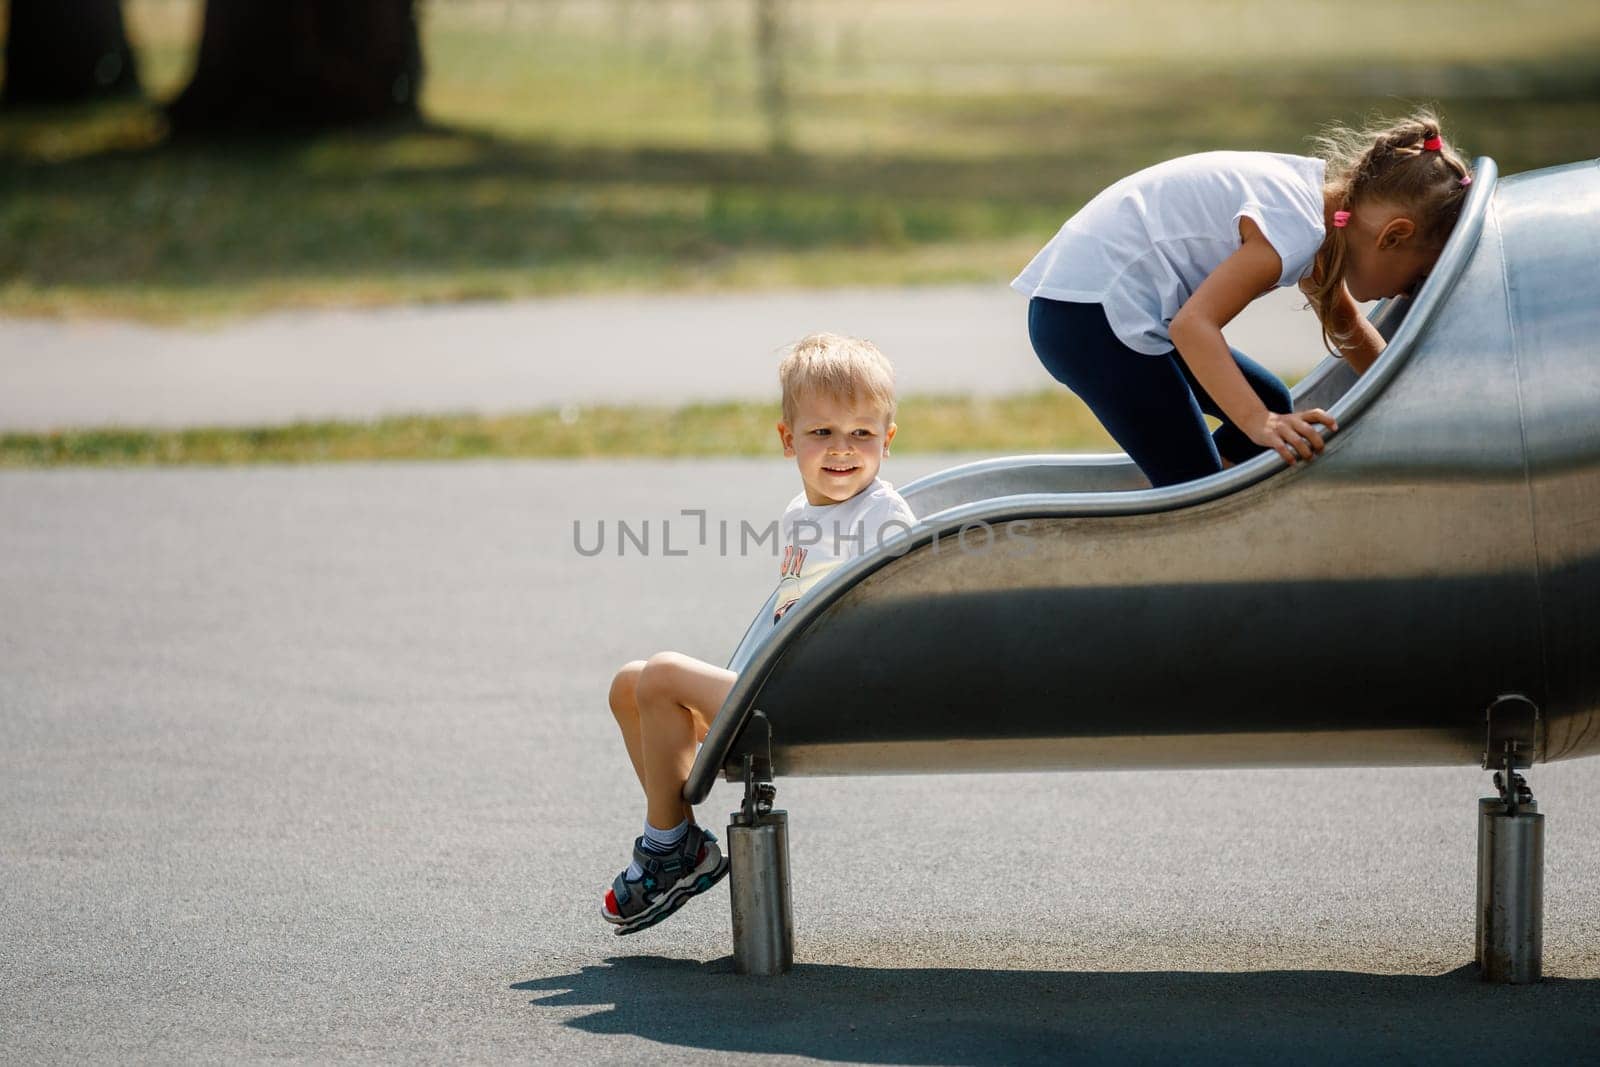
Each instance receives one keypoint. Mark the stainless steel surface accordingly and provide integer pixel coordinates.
(1488, 806)
(1363, 609)
(1512, 911)
(758, 887)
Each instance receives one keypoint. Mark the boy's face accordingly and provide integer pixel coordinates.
(837, 445)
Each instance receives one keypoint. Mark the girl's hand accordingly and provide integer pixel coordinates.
(1291, 436)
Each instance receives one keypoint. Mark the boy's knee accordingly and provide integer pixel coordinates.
(657, 676)
(624, 688)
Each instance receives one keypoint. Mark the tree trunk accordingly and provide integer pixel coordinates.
(61, 53)
(282, 65)
(771, 48)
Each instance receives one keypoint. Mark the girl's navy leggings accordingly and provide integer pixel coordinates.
(1152, 405)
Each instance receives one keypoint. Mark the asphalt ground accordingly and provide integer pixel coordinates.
(314, 764)
(537, 354)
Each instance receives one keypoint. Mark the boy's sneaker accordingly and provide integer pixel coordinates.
(669, 880)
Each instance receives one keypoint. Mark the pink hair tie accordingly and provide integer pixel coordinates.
(1341, 219)
(1466, 179)
(1432, 144)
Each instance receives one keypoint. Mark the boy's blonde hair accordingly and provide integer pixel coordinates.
(841, 368)
(1386, 161)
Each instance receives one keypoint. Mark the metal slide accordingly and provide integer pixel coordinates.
(1053, 612)
(1427, 592)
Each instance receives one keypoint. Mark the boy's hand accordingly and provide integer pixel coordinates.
(1291, 436)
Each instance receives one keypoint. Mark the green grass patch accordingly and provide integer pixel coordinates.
(1045, 421)
(624, 144)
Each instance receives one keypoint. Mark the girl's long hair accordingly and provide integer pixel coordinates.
(1384, 162)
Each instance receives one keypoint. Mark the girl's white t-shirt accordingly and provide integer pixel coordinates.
(1143, 246)
(816, 538)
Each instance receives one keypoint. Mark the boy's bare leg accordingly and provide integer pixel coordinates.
(625, 709)
(678, 696)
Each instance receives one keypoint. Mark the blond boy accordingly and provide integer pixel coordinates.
(838, 420)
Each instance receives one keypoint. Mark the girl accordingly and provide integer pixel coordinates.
(1130, 296)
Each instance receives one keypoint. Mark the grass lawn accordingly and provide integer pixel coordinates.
(624, 144)
(1046, 421)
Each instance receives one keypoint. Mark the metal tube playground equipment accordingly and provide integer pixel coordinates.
(1428, 589)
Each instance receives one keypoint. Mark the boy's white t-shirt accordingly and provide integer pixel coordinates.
(816, 538)
(1143, 246)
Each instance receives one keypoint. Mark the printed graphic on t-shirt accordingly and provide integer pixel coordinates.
(794, 558)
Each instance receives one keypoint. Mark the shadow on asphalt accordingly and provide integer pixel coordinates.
(954, 1015)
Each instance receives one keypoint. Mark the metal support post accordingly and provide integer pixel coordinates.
(1510, 880)
(1510, 911)
(758, 850)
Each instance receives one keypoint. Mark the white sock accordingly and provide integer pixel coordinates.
(662, 841)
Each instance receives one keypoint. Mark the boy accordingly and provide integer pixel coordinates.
(838, 420)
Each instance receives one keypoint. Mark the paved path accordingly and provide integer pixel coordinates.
(534, 354)
(313, 763)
